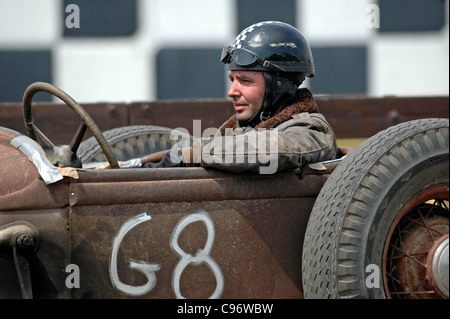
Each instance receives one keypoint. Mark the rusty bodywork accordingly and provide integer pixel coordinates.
(163, 233)
(240, 235)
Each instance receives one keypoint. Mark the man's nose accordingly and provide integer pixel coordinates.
(233, 91)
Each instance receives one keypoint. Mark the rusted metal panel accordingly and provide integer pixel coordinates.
(49, 263)
(25, 190)
(174, 232)
(364, 117)
(350, 116)
(11, 117)
(187, 187)
(59, 122)
(251, 229)
(24, 197)
(237, 249)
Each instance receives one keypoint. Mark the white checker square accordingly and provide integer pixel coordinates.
(415, 65)
(30, 22)
(333, 21)
(187, 21)
(99, 71)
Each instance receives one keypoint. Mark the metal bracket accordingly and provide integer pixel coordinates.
(23, 238)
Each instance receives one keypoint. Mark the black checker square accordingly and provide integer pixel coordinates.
(339, 70)
(411, 15)
(194, 72)
(253, 11)
(101, 18)
(19, 69)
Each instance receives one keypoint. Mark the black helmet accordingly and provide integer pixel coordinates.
(281, 52)
(270, 46)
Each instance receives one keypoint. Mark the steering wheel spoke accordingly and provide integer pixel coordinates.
(69, 157)
(42, 137)
(78, 137)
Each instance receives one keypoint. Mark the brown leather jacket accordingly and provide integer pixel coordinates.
(290, 139)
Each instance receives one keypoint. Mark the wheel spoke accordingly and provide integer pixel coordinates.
(394, 278)
(408, 256)
(414, 254)
(443, 205)
(412, 238)
(425, 224)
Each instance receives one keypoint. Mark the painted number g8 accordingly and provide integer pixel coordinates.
(149, 269)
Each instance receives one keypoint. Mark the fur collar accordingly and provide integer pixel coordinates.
(303, 102)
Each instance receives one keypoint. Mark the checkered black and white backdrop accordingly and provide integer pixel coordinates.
(136, 50)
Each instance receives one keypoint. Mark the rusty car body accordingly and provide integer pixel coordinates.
(186, 232)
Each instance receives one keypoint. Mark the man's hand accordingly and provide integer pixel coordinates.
(154, 157)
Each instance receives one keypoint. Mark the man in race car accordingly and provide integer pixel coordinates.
(277, 124)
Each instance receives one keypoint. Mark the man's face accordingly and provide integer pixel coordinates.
(247, 93)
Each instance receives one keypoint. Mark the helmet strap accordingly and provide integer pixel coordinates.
(264, 112)
(266, 108)
(283, 91)
(279, 91)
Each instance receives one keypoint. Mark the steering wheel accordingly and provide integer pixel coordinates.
(65, 155)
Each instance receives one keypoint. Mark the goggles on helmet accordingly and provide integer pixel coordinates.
(246, 58)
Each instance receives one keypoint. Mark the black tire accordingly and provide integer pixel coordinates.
(380, 183)
(131, 142)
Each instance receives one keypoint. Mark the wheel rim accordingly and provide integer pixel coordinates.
(417, 240)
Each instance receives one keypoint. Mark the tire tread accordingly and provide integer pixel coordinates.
(354, 184)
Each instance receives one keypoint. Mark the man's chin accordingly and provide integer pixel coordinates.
(242, 118)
